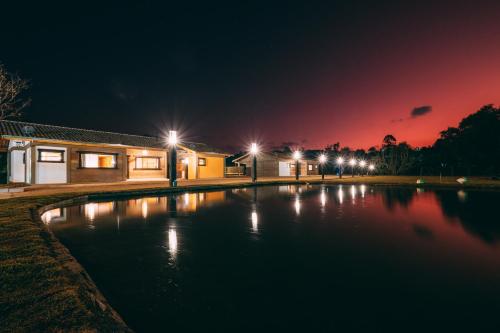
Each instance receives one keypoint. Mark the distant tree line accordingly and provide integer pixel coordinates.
(472, 148)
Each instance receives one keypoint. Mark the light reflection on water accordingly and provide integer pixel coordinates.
(180, 255)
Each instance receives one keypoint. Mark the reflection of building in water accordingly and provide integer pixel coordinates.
(143, 207)
(190, 202)
(54, 215)
(98, 209)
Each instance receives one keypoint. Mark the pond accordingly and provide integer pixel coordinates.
(293, 258)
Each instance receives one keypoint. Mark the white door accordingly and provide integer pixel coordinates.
(284, 169)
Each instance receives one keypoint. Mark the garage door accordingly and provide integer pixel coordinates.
(284, 169)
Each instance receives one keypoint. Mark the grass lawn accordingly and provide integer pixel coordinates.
(43, 288)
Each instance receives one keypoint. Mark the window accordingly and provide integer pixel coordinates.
(310, 167)
(147, 163)
(202, 161)
(98, 160)
(51, 156)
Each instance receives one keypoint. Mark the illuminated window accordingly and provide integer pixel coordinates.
(51, 156)
(202, 161)
(97, 160)
(310, 167)
(147, 163)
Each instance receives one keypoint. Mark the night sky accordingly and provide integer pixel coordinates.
(228, 73)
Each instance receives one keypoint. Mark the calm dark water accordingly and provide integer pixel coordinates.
(294, 258)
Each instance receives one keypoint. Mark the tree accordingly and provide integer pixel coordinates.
(389, 140)
(12, 89)
(474, 146)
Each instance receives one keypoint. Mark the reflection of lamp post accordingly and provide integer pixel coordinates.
(296, 156)
(172, 143)
(352, 162)
(322, 161)
(362, 165)
(254, 150)
(340, 161)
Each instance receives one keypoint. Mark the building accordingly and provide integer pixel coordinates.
(199, 161)
(278, 164)
(46, 154)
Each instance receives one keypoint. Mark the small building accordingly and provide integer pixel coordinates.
(278, 164)
(46, 154)
(200, 161)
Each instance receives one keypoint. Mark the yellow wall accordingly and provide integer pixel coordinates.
(214, 167)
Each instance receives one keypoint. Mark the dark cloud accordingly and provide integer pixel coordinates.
(415, 113)
(421, 111)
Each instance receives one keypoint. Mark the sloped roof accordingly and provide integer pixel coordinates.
(282, 156)
(202, 148)
(21, 129)
(50, 132)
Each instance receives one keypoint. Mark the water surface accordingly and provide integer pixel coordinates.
(293, 258)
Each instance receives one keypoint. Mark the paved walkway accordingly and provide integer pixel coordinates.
(46, 190)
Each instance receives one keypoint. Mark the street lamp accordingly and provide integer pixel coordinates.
(362, 165)
(322, 161)
(172, 143)
(340, 161)
(371, 167)
(352, 163)
(253, 151)
(297, 155)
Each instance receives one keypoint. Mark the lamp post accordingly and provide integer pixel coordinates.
(254, 150)
(322, 160)
(340, 161)
(362, 165)
(352, 163)
(371, 167)
(296, 156)
(172, 158)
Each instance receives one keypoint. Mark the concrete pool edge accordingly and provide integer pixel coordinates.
(78, 279)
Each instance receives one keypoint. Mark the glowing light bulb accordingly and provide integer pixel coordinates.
(172, 138)
(254, 149)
